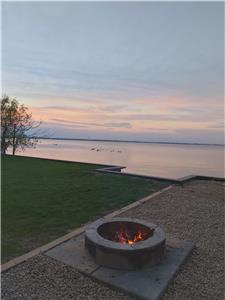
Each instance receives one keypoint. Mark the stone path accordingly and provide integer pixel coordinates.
(194, 211)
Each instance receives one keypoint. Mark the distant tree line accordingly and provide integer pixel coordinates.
(17, 126)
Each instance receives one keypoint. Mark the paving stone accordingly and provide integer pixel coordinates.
(148, 283)
(73, 253)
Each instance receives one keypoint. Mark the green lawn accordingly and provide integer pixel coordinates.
(44, 199)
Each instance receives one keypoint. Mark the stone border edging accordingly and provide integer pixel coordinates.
(117, 171)
(114, 170)
(18, 260)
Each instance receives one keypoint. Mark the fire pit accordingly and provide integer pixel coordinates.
(125, 243)
(111, 249)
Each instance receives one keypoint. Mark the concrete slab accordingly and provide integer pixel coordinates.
(149, 283)
(74, 254)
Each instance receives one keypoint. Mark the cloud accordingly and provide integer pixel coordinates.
(155, 117)
(187, 115)
(56, 108)
(65, 124)
(109, 63)
(107, 125)
(118, 125)
(155, 129)
(110, 75)
(111, 108)
(217, 125)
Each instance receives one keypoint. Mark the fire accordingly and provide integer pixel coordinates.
(123, 236)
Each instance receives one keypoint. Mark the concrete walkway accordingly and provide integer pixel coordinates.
(194, 211)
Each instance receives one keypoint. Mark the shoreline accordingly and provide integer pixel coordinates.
(116, 170)
(107, 166)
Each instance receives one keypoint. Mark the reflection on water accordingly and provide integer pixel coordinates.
(165, 160)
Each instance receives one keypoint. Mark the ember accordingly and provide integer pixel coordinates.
(125, 243)
(126, 236)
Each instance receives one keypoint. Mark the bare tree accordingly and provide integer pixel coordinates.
(17, 126)
(5, 123)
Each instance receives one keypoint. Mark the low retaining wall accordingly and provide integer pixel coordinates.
(117, 171)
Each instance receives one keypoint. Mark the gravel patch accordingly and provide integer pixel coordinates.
(194, 211)
(43, 278)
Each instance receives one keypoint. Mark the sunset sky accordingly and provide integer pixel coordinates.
(133, 71)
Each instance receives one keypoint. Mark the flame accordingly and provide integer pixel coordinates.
(124, 237)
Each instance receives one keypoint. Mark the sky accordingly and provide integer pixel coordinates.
(145, 71)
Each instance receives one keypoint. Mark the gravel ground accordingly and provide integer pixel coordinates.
(194, 211)
(43, 278)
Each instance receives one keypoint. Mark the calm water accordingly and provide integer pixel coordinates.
(172, 161)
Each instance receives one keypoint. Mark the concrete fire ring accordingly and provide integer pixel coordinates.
(115, 255)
